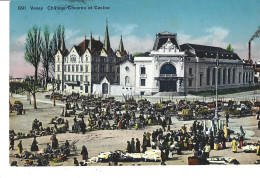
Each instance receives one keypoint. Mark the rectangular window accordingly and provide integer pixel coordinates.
(81, 78)
(142, 70)
(190, 82)
(58, 68)
(73, 68)
(77, 78)
(65, 77)
(239, 77)
(142, 82)
(86, 68)
(86, 78)
(190, 71)
(77, 68)
(73, 78)
(86, 58)
(81, 68)
(68, 68)
(72, 87)
(142, 92)
(68, 77)
(118, 69)
(81, 88)
(65, 68)
(58, 77)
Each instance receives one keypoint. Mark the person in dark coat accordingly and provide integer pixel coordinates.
(11, 143)
(84, 153)
(34, 146)
(133, 145)
(138, 149)
(54, 142)
(128, 148)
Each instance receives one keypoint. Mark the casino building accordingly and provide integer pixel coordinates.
(170, 67)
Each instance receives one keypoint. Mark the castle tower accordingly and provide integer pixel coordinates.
(90, 44)
(106, 41)
(121, 45)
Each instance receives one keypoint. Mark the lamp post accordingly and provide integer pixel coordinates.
(216, 83)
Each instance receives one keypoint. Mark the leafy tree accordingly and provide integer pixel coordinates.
(46, 55)
(32, 55)
(229, 48)
(56, 43)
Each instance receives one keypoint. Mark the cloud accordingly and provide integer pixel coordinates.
(215, 37)
(133, 44)
(125, 30)
(69, 33)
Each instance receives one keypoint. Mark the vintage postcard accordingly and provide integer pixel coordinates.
(134, 83)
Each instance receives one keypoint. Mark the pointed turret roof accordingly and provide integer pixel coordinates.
(90, 44)
(106, 41)
(121, 45)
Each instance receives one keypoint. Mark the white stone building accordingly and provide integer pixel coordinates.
(88, 64)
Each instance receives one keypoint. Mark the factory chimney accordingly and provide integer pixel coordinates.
(249, 51)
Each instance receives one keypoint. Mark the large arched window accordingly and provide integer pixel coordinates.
(213, 76)
(127, 80)
(208, 76)
(224, 76)
(168, 69)
(219, 75)
(234, 75)
(229, 73)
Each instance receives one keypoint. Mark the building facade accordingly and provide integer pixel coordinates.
(174, 68)
(87, 64)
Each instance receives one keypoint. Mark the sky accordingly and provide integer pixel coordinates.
(214, 23)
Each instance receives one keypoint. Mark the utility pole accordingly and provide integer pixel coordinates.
(216, 83)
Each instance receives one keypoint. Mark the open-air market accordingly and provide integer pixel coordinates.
(97, 130)
(102, 88)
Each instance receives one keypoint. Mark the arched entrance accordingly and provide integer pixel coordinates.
(167, 78)
(104, 88)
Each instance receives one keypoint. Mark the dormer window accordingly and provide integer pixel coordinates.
(86, 58)
(72, 58)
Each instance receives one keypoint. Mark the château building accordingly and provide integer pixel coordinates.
(87, 64)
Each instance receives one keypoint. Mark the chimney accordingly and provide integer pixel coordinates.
(249, 51)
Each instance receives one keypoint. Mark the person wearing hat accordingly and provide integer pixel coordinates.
(20, 147)
(11, 142)
(84, 153)
(234, 145)
(138, 149)
(34, 146)
(133, 145)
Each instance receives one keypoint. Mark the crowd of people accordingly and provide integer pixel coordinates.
(142, 116)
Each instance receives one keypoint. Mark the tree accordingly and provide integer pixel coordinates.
(46, 56)
(229, 48)
(33, 54)
(56, 43)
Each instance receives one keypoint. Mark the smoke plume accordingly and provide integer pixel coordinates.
(256, 35)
